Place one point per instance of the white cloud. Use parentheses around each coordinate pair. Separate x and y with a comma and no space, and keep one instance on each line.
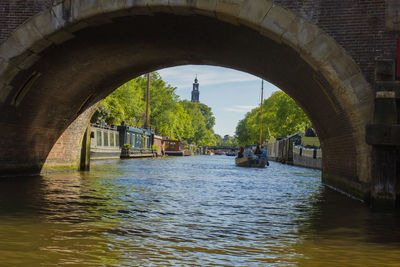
(183,76)
(240,109)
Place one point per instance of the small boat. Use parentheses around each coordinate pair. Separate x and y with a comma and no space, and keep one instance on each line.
(253,162)
(231,153)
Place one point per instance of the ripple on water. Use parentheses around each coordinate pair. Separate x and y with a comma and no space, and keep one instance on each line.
(200,210)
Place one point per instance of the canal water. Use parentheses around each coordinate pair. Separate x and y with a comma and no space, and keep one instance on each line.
(200,210)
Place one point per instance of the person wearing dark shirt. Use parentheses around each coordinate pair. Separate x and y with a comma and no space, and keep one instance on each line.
(241,152)
(258,151)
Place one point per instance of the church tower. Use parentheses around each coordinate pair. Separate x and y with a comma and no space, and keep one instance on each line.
(195,91)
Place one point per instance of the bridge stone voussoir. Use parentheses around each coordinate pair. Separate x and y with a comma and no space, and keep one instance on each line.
(228,10)
(135,3)
(40,45)
(204,7)
(182,7)
(112,6)
(338,68)
(159,6)
(157,3)
(276,22)
(84,9)
(4,92)
(299,33)
(60,17)
(178,3)
(11,48)
(318,50)
(252,12)
(330,75)
(7,71)
(116,8)
(19,61)
(360,87)
(138,7)
(342,66)
(27,35)
(347,96)
(47,22)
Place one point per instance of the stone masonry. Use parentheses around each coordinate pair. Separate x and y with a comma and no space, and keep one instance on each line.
(359,26)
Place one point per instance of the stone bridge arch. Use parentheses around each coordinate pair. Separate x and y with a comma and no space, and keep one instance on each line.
(65,59)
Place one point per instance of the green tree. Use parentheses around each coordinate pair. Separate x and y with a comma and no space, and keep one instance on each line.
(202,118)
(281,117)
(208,115)
(169,116)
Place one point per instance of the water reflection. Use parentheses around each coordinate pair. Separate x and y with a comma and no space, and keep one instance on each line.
(192,210)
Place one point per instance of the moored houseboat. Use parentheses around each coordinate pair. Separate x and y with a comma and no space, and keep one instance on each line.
(137,143)
(177,148)
(105,142)
(109,141)
(173,147)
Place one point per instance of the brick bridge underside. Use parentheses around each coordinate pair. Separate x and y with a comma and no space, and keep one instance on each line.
(59,58)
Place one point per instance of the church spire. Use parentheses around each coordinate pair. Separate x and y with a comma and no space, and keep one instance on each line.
(195,91)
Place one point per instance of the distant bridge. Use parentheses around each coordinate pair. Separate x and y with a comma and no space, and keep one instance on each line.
(227,148)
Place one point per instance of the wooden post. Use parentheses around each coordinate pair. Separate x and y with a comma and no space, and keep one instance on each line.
(85,151)
(261,106)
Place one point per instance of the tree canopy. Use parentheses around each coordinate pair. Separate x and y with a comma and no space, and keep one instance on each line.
(281,117)
(169,116)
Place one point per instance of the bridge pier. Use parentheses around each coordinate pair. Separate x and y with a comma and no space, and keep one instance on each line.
(71,152)
(384,135)
(385,185)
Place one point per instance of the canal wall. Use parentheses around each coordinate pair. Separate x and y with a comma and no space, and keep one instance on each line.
(307,157)
(299,155)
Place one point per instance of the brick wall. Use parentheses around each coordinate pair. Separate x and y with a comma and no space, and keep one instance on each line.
(358,25)
(66,152)
(15,12)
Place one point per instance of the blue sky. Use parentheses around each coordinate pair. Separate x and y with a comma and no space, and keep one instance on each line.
(229,93)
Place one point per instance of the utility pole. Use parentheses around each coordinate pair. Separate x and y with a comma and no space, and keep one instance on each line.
(261,106)
(146,124)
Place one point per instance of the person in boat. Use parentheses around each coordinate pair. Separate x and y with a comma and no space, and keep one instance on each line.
(258,151)
(248,152)
(264,153)
(309,132)
(241,153)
